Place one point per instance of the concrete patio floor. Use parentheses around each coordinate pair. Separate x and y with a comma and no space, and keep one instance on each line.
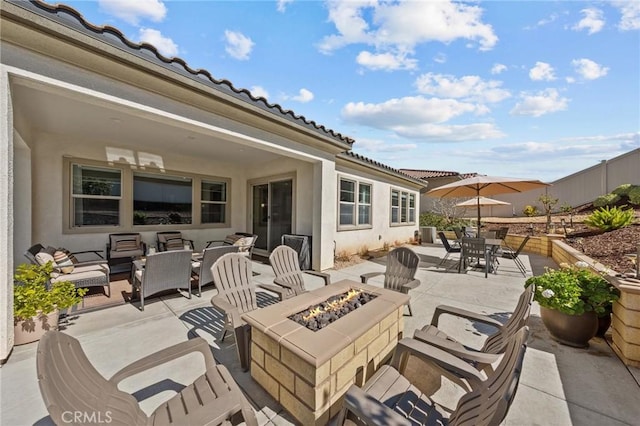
(559,385)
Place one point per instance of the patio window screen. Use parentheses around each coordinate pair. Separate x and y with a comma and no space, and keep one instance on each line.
(355,203)
(96,194)
(403,207)
(160,200)
(213,202)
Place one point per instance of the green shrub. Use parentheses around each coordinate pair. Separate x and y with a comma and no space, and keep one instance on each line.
(433,219)
(610,218)
(623,190)
(530,211)
(606,200)
(30,292)
(634,195)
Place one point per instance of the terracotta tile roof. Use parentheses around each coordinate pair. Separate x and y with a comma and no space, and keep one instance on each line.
(70,17)
(350,155)
(427,174)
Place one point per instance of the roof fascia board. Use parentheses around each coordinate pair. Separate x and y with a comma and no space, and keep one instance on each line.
(357,164)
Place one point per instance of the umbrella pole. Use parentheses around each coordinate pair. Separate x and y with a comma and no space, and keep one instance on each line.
(478,198)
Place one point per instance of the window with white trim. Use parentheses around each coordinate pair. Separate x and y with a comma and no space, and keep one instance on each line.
(95,196)
(403,207)
(355,204)
(213,203)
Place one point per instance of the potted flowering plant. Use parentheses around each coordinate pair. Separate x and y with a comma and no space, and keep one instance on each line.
(36,303)
(571,299)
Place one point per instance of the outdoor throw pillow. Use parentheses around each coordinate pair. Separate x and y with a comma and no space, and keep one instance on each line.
(43,257)
(63,261)
(174,244)
(126,245)
(70,255)
(244,243)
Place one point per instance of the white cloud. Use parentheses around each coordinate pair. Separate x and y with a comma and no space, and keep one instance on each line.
(450,133)
(574,148)
(385,61)
(593,21)
(541,103)
(374,145)
(440,58)
(165,45)
(498,68)
(397,27)
(133,11)
(408,111)
(282,5)
(588,69)
(303,96)
(468,87)
(630,11)
(259,91)
(542,71)
(238,45)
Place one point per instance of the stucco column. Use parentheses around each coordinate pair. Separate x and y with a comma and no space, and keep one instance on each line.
(6,217)
(324,214)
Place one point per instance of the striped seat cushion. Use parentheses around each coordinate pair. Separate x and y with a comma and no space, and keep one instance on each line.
(127,245)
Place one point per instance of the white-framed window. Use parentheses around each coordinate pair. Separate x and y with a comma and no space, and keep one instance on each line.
(403,207)
(354,204)
(213,202)
(96,193)
(114,197)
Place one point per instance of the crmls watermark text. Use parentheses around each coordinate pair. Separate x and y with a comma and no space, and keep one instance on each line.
(95,417)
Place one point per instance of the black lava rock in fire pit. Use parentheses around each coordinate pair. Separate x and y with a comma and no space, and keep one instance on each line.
(321,315)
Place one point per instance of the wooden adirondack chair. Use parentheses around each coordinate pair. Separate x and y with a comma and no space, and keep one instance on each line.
(389,398)
(70,384)
(236,296)
(493,347)
(289,280)
(402,264)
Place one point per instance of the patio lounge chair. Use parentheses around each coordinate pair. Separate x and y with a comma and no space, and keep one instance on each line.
(245,241)
(447,247)
(94,273)
(388,398)
(402,264)
(123,248)
(172,240)
(163,271)
(289,280)
(70,384)
(236,296)
(508,253)
(493,346)
(203,268)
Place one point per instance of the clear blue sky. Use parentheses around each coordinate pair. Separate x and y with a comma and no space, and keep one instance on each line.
(536,89)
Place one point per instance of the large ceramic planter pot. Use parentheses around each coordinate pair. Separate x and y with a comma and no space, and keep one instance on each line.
(570,330)
(32,329)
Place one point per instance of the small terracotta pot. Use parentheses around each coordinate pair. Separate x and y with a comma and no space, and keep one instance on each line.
(32,329)
(570,330)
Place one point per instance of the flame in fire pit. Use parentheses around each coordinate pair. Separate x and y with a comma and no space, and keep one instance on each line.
(334,305)
(320,315)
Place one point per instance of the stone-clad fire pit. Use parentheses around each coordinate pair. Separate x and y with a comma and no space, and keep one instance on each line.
(318,316)
(308,371)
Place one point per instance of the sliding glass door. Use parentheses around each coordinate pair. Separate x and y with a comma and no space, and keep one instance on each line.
(272,212)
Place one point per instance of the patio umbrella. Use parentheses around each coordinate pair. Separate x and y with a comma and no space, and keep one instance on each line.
(478,186)
(483,201)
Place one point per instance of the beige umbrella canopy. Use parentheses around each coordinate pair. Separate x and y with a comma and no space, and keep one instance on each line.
(478,186)
(483,201)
